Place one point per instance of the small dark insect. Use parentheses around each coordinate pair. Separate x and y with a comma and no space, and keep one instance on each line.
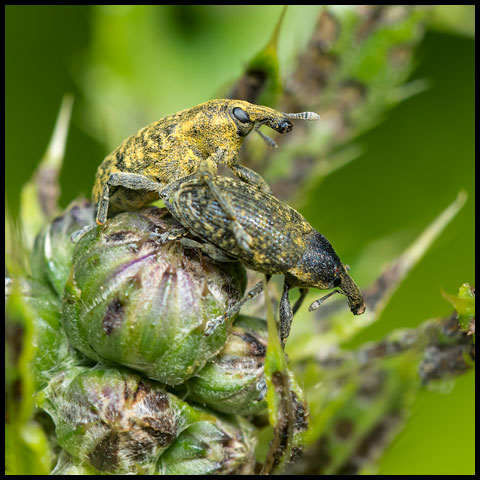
(282,241)
(189,144)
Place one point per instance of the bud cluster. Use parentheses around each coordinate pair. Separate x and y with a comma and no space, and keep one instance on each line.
(128,373)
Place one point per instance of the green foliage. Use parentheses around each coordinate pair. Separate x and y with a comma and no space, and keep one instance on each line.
(464,304)
(229,381)
(27,450)
(279,397)
(371,191)
(261,82)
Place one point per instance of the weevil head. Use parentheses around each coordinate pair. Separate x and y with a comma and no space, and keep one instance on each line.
(259,115)
(320,267)
(248,114)
(240,116)
(225,123)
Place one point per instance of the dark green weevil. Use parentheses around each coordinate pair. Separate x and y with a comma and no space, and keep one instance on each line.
(282,241)
(191,143)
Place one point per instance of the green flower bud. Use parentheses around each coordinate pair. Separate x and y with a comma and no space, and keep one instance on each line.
(217,446)
(52,350)
(68,465)
(233,381)
(50,262)
(223,447)
(53,353)
(134,301)
(51,257)
(114,420)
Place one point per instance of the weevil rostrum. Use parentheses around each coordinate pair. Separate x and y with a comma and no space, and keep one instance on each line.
(190,143)
(282,241)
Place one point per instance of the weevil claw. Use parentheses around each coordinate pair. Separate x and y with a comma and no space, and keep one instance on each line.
(78,234)
(162,238)
(244,240)
(262,389)
(211,325)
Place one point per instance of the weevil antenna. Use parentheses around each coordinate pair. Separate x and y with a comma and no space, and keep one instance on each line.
(318,302)
(269,141)
(310,116)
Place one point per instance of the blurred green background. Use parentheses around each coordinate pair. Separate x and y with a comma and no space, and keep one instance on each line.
(128,66)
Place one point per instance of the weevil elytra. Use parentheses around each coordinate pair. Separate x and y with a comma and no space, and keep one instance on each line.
(282,241)
(190,143)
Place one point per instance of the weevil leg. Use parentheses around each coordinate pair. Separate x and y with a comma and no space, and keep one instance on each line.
(262,389)
(213,324)
(166,192)
(211,250)
(78,234)
(298,303)
(242,237)
(100,218)
(286,314)
(250,177)
(162,238)
(102,207)
(132,181)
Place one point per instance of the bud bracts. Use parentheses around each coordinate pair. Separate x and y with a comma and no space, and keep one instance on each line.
(144,305)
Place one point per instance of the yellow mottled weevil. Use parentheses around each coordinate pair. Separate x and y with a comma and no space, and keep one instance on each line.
(282,242)
(189,144)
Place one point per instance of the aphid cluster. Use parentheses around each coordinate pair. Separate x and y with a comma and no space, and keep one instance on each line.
(238,219)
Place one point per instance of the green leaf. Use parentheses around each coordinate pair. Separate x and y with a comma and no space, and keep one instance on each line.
(27,450)
(261,83)
(464,304)
(279,397)
(40,194)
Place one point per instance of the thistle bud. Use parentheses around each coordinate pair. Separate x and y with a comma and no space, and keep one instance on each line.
(53,352)
(68,465)
(113,420)
(233,381)
(145,304)
(223,447)
(52,252)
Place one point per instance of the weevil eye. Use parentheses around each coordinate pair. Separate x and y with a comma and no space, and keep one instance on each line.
(337,282)
(241,115)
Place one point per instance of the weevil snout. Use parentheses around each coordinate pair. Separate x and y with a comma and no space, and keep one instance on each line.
(276,121)
(353,294)
(281,121)
(357,309)
(247,115)
(284,126)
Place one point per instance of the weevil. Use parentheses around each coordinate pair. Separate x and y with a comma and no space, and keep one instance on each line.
(283,242)
(190,143)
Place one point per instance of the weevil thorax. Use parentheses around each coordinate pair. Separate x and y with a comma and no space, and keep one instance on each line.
(210,126)
(320,267)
